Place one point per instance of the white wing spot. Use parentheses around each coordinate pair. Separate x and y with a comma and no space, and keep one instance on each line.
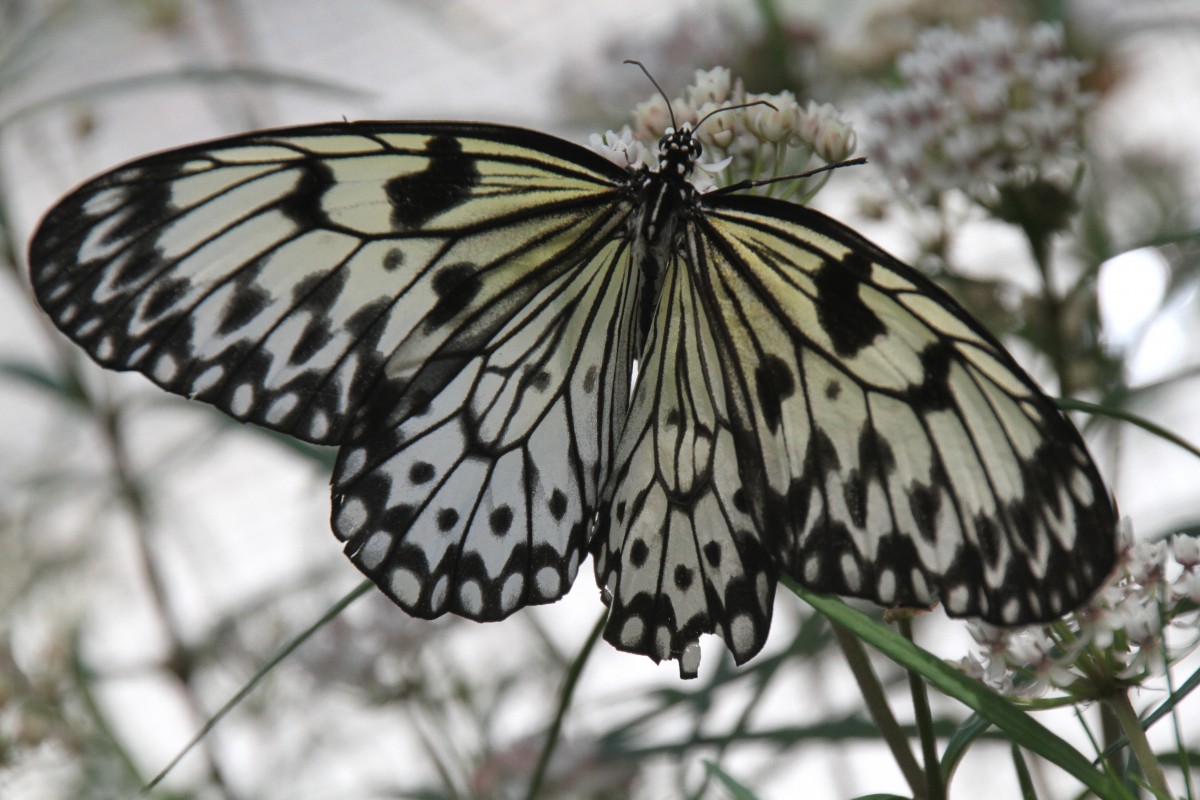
(812,569)
(1081,487)
(208,379)
(406,587)
(887,587)
(67,314)
(281,407)
(471,597)
(548,582)
(662,642)
(632,631)
(318,426)
(742,631)
(88,328)
(1011,611)
(689,662)
(920,588)
(351,517)
(438,598)
(850,572)
(165,369)
(373,552)
(104,348)
(956,599)
(243,400)
(510,593)
(353,463)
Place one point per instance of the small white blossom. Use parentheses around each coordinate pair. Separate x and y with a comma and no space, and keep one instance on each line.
(1186,550)
(1144,619)
(992,107)
(710,86)
(621,148)
(742,138)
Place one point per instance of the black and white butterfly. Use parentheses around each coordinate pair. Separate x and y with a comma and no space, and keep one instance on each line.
(461,308)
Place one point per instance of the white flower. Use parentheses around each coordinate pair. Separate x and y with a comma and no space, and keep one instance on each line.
(621,148)
(710,86)
(1186,550)
(987,108)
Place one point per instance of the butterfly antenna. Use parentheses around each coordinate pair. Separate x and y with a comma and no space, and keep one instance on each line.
(751,104)
(750,184)
(650,77)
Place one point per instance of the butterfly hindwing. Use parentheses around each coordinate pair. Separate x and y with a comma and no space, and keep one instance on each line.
(676,548)
(893,450)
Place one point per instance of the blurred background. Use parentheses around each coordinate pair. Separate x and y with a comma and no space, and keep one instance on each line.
(154,555)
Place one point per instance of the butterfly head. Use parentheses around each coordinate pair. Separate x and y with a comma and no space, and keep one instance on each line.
(678,151)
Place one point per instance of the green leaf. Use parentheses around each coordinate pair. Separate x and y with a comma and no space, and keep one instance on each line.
(737,790)
(1019,726)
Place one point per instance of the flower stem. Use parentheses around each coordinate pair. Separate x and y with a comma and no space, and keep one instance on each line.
(934,788)
(877,705)
(1122,709)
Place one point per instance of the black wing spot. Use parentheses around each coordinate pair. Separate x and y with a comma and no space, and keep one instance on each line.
(638,553)
(447,518)
(740,502)
(558,504)
(303,204)
(840,308)
(445,182)
(833,390)
(774,384)
(537,378)
(393,259)
(244,305)
(501,520)
(673,418)
(712,552)
(589,379)
(421,472)
(456,286)
(683,577)
(621,511)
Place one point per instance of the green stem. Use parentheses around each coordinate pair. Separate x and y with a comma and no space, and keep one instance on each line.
(564,702)
(1052,305)
(935,789)
(878,708)
(1122,709)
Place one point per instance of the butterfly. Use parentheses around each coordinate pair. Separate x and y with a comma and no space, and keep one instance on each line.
(528,354)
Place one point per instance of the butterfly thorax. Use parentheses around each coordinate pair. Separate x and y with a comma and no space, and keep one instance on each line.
(662,196)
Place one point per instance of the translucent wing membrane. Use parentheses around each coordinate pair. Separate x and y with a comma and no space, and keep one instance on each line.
(890,447)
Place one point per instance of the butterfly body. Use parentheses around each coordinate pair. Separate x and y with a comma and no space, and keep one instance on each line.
(461,307)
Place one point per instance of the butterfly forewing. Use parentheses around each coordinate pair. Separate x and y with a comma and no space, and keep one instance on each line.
(274,274)
(892,448)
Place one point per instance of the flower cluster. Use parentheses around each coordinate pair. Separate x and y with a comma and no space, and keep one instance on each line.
(979,110)
(744,135)
(1118,639)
